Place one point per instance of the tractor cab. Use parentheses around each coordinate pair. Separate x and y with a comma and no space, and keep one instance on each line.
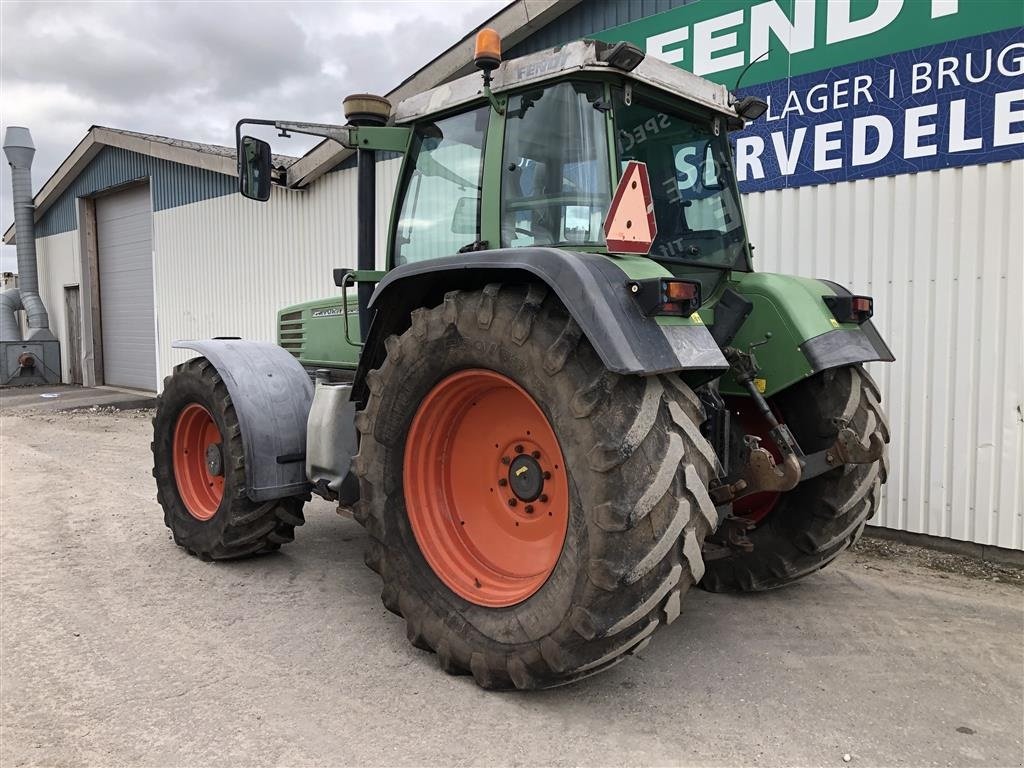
(533,159)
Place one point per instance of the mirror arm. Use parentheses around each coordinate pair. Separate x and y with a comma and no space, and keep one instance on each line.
(343,135)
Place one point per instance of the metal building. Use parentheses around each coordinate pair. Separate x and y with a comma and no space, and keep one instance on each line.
(891,160)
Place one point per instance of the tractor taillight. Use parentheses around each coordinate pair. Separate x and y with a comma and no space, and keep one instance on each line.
(666,296)
(851,309)
(862,304)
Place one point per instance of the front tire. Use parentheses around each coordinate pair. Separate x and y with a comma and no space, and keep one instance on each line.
(810,526)
(199,466)
(629,459)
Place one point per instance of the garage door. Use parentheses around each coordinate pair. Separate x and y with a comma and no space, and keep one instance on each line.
(124,241)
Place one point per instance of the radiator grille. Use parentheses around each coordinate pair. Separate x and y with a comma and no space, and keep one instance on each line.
(291,333)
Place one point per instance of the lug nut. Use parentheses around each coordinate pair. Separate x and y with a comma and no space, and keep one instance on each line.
(547,475)
(536,454)
(543,498)
(529,509)
(506,460)
(519,449)
(512,502)
(502,482)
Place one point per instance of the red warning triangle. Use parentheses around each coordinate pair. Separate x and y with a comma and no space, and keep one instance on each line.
(629,226)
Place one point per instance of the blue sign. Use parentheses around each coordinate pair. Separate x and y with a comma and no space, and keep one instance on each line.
(953,104)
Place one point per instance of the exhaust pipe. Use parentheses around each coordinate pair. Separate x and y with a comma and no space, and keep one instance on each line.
(20,150)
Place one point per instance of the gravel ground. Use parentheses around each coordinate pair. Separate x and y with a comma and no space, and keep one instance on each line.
(118,649)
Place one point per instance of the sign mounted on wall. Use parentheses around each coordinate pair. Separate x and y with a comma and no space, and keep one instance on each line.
(856,89)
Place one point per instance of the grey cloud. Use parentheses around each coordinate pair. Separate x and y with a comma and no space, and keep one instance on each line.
(190,70)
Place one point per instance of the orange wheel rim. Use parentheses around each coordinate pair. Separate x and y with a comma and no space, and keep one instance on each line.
(198,463)
(486,488)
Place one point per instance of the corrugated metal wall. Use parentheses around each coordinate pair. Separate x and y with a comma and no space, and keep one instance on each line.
(224,266)
(941,252)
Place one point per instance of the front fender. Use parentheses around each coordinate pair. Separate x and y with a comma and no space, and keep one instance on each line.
(272,395)
(592,287)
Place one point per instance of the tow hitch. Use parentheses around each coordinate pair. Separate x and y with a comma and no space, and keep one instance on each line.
(761,472)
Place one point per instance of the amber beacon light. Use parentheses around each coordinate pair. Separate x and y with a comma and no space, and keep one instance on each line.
(487,55)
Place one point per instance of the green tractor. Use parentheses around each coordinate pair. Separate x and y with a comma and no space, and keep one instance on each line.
(568,398)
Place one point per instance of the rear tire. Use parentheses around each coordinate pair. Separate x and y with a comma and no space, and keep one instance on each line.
(228,524)
(637,505)
(811,525)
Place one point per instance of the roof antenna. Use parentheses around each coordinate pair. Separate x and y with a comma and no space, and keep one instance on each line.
(744,72)
(749,108)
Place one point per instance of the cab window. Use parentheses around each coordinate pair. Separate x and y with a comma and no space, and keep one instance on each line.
(440,207)
(554,177)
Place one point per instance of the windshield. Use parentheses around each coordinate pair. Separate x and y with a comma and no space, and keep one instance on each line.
(555,175)
(695,199)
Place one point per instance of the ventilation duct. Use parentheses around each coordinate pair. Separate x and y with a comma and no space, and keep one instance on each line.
(36,358)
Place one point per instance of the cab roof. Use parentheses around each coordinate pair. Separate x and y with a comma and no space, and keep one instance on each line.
(578,56)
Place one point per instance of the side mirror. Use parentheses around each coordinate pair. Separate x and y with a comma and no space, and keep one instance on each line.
(254,168)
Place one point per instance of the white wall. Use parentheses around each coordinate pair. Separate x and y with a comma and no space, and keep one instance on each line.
(942,254)
(224,266)
(59,264)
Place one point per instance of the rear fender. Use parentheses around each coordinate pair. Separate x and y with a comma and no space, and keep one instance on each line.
(592,287)
(272,395)
(805,336)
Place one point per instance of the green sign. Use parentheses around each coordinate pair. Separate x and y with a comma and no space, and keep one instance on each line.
(716,39)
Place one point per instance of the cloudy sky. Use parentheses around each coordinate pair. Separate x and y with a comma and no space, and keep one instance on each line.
(191,69)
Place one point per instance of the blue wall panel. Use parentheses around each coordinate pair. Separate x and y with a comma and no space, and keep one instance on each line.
(588,18)
(173,184)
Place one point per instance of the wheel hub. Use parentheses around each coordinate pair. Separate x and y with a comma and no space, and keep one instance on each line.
(485,488)
(214,460)
(525,477)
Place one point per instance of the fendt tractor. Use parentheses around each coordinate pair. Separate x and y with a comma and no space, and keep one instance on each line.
(567,399)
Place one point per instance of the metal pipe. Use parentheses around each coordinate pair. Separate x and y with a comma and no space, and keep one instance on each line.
(366,246)
(10,303)
(19,149)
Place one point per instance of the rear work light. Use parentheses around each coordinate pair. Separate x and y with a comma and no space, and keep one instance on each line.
(666,296)
(850,309)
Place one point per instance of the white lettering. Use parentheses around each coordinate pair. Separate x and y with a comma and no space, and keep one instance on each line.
(686,166)
(922,77)
(1005,117)
(841,27)
(792,105)
(1017,61)
(914,131)
(706,44)
(958,128)
(947,68)
(748,158)
(969,70)
(944,8)
(817,104)
(861,84)
(883,134)
(788,159)
(656,45)
(796,35)
(823,145)
(839,94)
